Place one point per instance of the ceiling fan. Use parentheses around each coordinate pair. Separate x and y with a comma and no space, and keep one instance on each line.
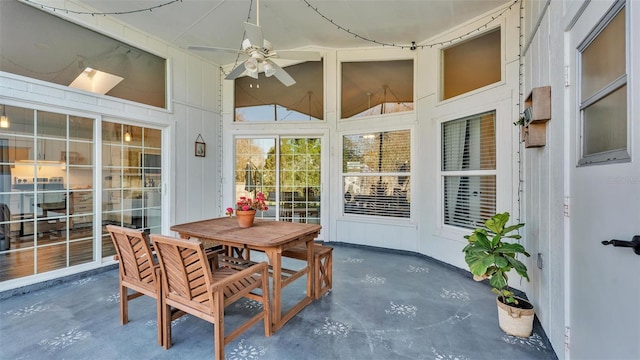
(260,52)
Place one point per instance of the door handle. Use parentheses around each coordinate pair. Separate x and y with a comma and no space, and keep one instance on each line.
(634,243)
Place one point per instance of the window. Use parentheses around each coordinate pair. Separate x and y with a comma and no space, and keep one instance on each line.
(376,87)
(288,174)
(469,170)
(266,99)
(471,64)
(376,174)
(603,91)
(132,179)
(61,52)
(46,196)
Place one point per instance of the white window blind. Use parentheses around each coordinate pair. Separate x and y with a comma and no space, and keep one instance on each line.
(469,170)
(376,174)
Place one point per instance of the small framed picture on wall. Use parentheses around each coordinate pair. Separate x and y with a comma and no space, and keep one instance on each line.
(201,147)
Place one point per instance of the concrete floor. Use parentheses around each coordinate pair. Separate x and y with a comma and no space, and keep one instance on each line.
(384,305)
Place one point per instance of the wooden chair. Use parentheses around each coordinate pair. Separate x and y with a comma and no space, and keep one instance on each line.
(190,285)
(138,270)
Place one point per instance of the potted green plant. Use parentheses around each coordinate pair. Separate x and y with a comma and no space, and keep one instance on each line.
(489,256)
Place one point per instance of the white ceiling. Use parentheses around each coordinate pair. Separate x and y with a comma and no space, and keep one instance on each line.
(294,24)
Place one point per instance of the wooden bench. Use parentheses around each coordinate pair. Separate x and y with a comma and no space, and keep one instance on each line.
(322,266)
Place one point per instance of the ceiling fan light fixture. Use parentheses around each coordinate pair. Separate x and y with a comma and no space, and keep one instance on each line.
(246,44)
(269,69)
(253,74)
(251,65)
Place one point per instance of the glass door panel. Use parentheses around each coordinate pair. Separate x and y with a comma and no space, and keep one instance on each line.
(288,174)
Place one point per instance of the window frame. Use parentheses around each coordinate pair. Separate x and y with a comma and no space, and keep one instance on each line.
(410,175)
(281,122)
(440,63)
(278,138)
(496,109)
(608,156)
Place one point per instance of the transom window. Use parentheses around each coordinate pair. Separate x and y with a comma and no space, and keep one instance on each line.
(266,99)
(376,87)
(71,55)
(471,64)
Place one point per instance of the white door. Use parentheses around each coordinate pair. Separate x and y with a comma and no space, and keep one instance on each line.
(604,170)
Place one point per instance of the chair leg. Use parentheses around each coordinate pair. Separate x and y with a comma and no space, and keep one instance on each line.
(124,305)
(265,303)
(218,330)
(159,317)
(166,325)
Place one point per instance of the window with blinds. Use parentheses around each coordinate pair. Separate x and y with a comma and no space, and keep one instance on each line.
(376,174)
(469,170)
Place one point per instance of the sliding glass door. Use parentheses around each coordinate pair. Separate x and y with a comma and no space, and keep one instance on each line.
(287,170)
(46,192)
(131,179)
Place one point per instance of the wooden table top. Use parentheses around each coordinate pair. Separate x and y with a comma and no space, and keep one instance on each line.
(263,233)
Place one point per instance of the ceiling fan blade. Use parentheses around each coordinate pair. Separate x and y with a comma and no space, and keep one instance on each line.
(254,34)
(236,72)
(282,75)
(216,49)
(299,55)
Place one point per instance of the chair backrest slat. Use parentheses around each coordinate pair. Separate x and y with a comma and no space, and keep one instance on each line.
(188,280)
(134,251)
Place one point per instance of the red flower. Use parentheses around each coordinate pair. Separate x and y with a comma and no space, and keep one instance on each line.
(246,204)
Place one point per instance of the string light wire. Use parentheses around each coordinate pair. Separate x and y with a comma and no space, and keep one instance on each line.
(520,108)
(94,13)
(413,45)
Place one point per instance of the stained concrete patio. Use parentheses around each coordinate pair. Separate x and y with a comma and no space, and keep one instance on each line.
(384,305)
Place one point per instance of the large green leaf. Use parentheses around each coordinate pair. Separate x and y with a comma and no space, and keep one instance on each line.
(488,260)
(496,222)
(498,280)
(478,268)
(520,268)
(511,228)
(511,248)
(495,241)
(481,240)
(501,261)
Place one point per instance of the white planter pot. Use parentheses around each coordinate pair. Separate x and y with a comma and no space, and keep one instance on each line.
(514,320)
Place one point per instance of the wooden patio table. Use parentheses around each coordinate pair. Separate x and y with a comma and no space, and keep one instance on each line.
(271,237)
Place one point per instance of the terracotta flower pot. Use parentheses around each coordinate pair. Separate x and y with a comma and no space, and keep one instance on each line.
(245,218)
